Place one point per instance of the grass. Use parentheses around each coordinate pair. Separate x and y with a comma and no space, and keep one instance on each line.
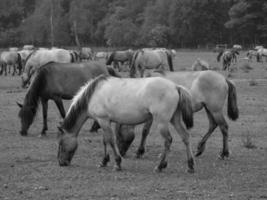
(248,141)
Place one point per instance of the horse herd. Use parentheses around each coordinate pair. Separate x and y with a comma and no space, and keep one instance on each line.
(161,97)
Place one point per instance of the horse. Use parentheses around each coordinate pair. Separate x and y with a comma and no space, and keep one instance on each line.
(127,101)
(252,53)
(209,90)
(200,65)
(228,56)
(28,47)
(261,52)
(86,53)
(40,57)
(150,59)
(101,55)
(11,59)
(56,81)
(118,57)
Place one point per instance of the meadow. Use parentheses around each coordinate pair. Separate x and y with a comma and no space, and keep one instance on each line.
(29,168)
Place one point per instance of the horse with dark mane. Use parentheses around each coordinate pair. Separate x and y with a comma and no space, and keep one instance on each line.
(120,57)
(228,56)
(128,101)
(56,81)
(150,59)
(210,90)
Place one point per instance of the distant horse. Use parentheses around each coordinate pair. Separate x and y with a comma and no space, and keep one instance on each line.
(118,57)
(127,101)
(200,65)
(56,81)
(209,90)
(228,56)
(41,57)
(261,52)
(86,53)
(102,55)
(150,59)
(28,47)
(252,53)
(11,59)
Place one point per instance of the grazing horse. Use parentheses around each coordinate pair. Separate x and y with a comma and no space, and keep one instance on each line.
(252,53)
(150,59)
(200,65)
(127,101)
(210,90)
(56,81)
(228,56)
(40,57)
(261,52)
(86,53)
(120,57)
(11,59)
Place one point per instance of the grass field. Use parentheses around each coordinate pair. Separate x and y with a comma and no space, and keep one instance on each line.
(29,167)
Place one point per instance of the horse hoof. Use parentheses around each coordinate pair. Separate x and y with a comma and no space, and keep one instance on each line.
(139,153)
(224,155)
(191,171)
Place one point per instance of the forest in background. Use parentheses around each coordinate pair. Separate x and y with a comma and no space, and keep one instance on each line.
(135,23)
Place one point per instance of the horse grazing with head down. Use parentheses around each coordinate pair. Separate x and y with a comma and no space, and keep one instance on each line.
(210,90)
(150,59)
(120,57)
(11,59)
(228,56)
(56,81)
(127,101)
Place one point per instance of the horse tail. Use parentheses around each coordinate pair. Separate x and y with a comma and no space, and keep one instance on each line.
(19,62)
(185,106)
(72,60)
(32,97)
(110,58)
(132,66)
(112,72)
(169,58)
(232,109)
(219,56)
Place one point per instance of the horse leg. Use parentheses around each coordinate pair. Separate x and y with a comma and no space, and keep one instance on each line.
(220,120)
(60,107)
(212,126)
(176,121)
(45,106)
(108,138)
(14,70)
(164,131)
(95,127)
(141,149)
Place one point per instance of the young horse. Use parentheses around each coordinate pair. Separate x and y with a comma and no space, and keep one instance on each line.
(209,90)
(150,59)
(127,101)
(56,81)
(40,57)
(118,57)
(228,57)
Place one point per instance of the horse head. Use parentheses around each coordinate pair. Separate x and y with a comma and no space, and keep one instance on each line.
(26,115)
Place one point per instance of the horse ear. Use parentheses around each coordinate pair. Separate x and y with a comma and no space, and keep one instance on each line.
(19,104)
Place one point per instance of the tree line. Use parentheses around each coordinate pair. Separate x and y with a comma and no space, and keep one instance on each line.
(169,23)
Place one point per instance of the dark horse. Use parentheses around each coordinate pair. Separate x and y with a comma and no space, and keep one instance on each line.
(118,57)
(228,57)
(56,81)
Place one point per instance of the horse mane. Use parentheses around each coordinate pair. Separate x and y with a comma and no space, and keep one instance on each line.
(31,54)
(132,66)
(19,61)
(169,58)
(110,58)
(32,97)
(81,100)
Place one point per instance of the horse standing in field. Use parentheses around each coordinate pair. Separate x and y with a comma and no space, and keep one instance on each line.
(228,56)
(102,55)
(40,57)
(118,57)
(262,52)
(200,65)
(127,101)
(56,81)
(252,53)
(150,59)
(210,90)
(11,59)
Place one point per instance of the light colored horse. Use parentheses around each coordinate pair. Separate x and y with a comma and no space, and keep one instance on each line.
(86,53)
(28,47)
(261,52)
(200,65)
(128,101)
(237,46)
(11,59)
(13,48)
(41,57)
(210,90)
(252,53)
(150,59)
(102,55)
